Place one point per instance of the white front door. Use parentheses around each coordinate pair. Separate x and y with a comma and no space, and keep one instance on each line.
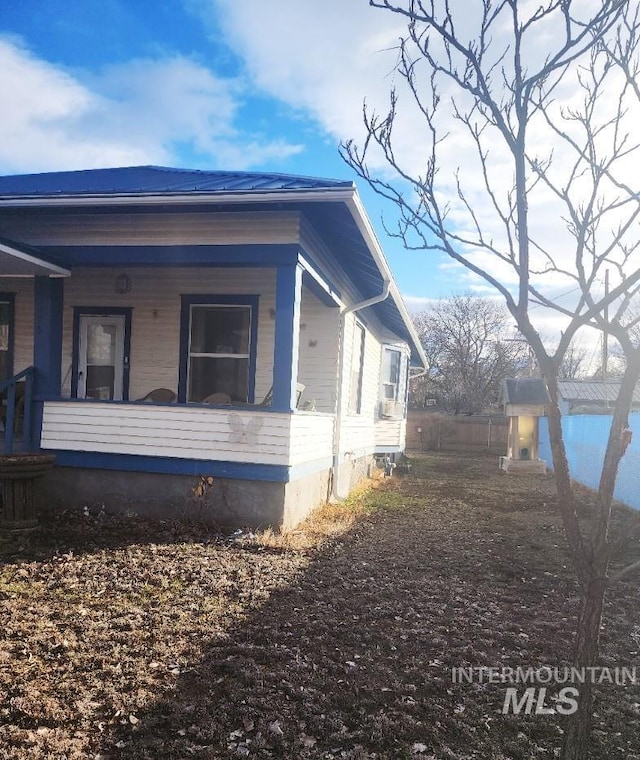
(101,359)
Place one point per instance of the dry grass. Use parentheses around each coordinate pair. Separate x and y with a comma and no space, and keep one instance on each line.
(330,521)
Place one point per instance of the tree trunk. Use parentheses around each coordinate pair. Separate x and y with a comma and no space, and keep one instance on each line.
(578,729)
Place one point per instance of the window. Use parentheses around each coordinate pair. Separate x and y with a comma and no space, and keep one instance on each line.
(393,383)
(6,336)
(357,365)
(391,361)
(220,348)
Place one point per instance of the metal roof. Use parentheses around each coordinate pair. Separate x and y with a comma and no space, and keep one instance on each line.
(593,390)
(525,390)
(155,179)
(331,205)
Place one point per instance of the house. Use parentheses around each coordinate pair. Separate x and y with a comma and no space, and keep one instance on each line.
(592,396)
(237,331)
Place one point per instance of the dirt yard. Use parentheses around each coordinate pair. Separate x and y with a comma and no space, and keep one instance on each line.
(125,639)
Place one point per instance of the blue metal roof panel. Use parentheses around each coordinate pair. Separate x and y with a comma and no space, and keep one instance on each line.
(156,180)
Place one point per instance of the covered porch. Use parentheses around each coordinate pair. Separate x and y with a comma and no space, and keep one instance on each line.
(247,352)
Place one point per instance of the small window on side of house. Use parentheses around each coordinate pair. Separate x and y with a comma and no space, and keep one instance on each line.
(357,367)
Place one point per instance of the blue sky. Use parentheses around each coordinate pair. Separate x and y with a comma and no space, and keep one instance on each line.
(214,84)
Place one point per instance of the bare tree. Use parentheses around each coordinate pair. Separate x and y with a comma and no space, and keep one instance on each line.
(468,342)
(529,112)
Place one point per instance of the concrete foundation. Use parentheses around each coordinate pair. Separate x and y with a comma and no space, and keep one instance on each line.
(523,466)
(222,502)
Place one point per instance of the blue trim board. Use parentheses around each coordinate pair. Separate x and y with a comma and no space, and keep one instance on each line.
(47,346)
(208,299)
(104,311)
(10,298)
(174,466)
(258,255)
(287,337)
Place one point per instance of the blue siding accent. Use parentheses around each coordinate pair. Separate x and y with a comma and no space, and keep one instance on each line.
(585,438)
(285,353)
(47,346)
(185,324)
(173,466)
(107,311)
(258,255)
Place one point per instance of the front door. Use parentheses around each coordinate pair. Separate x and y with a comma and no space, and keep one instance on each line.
(101,357)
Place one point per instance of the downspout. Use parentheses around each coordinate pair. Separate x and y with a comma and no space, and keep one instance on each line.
(386,284)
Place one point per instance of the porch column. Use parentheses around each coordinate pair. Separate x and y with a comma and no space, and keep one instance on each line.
(47,346)
(287,333)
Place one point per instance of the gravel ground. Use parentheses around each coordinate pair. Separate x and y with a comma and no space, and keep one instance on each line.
(128,639)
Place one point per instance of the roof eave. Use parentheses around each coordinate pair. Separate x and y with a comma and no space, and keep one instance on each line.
(347,195)
(336,194)
(357,210)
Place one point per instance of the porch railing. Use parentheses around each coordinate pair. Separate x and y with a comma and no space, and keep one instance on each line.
(16,395)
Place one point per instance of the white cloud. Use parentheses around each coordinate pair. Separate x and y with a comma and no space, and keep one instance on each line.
(136,113)
(324,58)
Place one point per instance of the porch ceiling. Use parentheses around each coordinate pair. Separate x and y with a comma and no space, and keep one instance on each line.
(20,261)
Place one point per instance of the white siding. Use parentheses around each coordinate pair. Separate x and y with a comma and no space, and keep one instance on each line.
(318,359)
(154,229)
(167,431)
(311,437)
(390,433)
(188,432)
(155,329)
(361,433)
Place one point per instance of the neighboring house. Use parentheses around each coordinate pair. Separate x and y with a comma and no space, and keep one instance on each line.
(592,396)
(262,301)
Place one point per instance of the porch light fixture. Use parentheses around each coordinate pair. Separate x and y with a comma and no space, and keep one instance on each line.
(123,284)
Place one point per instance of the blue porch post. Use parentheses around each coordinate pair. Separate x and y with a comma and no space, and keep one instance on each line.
(47,347)
(287,333)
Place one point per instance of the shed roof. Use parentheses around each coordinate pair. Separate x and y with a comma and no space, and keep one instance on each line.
(525,390)
(593,390)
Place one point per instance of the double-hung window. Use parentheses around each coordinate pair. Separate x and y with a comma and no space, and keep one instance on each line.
(393,383)
(219,356)
(391,375)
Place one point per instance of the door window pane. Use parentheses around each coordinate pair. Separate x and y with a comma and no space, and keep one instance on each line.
(101,344)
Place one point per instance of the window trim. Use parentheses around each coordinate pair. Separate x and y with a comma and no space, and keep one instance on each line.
(187,301)
(10,298)
(102,311)
(383,382)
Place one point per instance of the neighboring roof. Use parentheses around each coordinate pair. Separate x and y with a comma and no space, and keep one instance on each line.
(593,390)
(155,179)
(333,206)
(525,390)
